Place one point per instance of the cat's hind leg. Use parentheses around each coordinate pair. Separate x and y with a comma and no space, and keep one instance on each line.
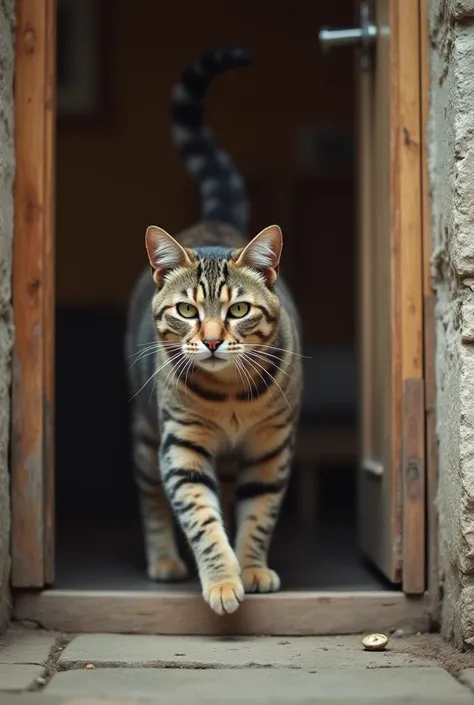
(161,550)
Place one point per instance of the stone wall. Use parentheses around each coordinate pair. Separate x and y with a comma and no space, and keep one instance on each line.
(7,169)
(451,143)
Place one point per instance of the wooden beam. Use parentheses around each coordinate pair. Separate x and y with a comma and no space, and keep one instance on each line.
(32,292)
(49,292)
(413,487)
(411,298)
(429,325)
(284,613)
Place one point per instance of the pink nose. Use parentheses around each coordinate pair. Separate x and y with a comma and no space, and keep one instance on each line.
(213,343)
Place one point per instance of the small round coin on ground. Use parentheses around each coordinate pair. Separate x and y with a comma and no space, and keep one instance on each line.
(374,642)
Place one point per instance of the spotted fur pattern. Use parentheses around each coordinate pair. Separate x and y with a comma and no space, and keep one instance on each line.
(213,344)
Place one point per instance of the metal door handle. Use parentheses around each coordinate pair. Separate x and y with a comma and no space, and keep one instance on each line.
(364,36)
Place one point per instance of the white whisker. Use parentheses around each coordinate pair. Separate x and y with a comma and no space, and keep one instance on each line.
(154,374)
(159,342)
(155,346)
(264,359)
(276,382)
(273,347)
(152,390)
(247,359)
(172,373)
(252,381)
(179,374)
(248,388)
(270,357)
(235,361)
(144,355)
(191,364)
(152,349)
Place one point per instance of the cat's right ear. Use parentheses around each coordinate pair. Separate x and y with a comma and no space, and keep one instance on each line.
(164,253)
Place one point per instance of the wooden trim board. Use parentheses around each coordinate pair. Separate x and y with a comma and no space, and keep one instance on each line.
(32,471)
(281,614)
(429,327)
(32,205)
(49,277)
(413,452)
(411,299)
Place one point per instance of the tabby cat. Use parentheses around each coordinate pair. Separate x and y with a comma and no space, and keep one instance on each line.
(215,332)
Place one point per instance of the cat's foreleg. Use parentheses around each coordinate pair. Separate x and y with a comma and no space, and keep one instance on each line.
(187,462)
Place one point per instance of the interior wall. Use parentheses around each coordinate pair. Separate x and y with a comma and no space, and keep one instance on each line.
(451,145)
(7,167)
(120,172)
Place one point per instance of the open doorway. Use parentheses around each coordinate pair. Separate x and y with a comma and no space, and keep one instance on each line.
(289,123)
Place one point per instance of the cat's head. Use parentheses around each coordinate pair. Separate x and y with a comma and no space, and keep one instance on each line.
(215,304)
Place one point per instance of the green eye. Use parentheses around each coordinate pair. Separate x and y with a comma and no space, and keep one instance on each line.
(239,310)
(187,310)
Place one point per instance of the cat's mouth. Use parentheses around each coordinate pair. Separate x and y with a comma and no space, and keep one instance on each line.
(213,362)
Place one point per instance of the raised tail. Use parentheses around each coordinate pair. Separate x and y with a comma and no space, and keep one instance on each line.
(221,187)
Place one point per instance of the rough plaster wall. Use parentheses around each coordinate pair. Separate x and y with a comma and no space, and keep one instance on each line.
(6,327)
(452,182)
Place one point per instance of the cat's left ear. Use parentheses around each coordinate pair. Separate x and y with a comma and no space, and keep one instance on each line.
(263,253)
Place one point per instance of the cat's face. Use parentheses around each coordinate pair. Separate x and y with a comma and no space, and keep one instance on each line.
(215,307)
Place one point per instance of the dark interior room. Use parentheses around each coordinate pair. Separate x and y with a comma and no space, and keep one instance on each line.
(289,122)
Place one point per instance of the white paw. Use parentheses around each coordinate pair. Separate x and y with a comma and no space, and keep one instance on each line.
(224,597)
(260,580)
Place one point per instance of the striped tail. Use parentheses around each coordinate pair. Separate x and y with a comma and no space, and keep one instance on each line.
(221,187)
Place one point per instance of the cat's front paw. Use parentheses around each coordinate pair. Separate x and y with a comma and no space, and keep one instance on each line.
(168,568)
(224,597)
(260,580)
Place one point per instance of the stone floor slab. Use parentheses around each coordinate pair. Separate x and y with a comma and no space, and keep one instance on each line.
(16,677)
(193,652)
(34,699)
(368,685)
(42,699)
(467,678)
(26,646)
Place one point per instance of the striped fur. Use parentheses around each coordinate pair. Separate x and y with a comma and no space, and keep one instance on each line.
(213,344)
(221,187)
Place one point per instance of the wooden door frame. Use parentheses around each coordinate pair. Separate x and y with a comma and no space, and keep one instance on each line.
(429,329)
(32,461)
(409,187)
(32,435)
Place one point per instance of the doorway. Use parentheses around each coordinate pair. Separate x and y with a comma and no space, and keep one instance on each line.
(296,149)
(290,123)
